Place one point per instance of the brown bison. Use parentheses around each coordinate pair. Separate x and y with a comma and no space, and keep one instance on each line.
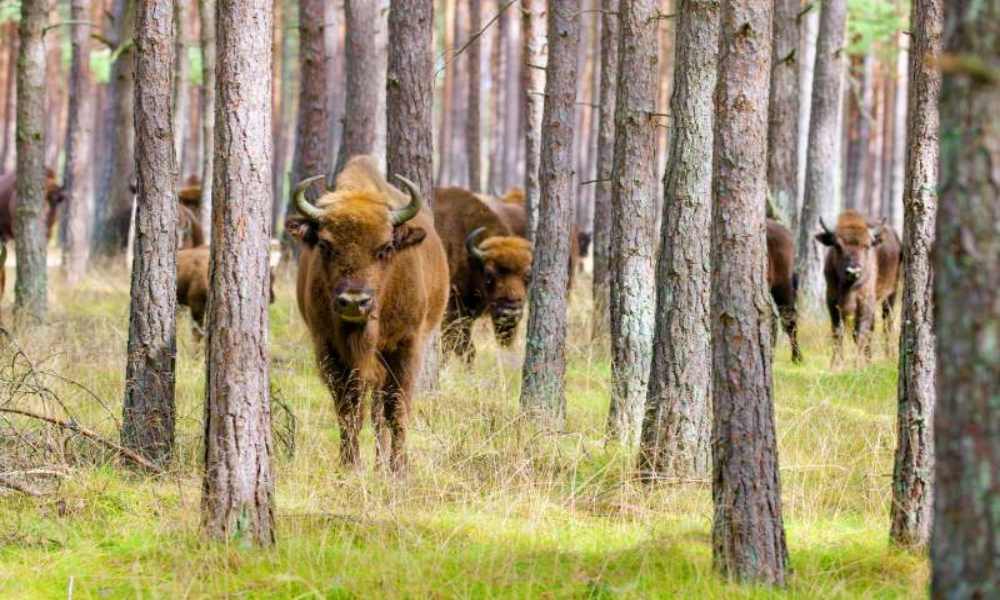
(192,285)
(489,266)
(54,196)
(783,282)
(372,286)
(862,272)
(189,231)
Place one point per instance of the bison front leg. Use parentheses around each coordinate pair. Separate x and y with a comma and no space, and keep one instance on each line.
(347,390)
(864,325)
(837,327)
(402,368)
(789,322)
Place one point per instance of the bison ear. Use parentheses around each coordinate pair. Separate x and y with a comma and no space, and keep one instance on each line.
(404,236)
(302,229)
(876,233)
(826,238)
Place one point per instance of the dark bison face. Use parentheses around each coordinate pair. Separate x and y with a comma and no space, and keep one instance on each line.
(501,268)
(853,247)
(584,239)
(355,237)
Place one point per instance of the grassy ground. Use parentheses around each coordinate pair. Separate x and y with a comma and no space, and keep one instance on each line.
(490,509)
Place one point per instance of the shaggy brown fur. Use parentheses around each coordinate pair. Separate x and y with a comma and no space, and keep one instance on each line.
(54,196)
(192,285)
(370,293)
(862,272)
(494,283)
(783,282)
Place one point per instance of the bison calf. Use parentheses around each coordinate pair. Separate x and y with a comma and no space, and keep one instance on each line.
(783,282)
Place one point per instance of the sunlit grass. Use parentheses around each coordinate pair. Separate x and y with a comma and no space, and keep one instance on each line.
(491,508)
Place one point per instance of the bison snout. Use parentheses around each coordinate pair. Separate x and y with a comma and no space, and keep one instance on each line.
(853,273)
(354,306)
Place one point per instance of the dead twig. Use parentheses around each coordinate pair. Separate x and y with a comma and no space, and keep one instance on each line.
(472,39)
(10,484)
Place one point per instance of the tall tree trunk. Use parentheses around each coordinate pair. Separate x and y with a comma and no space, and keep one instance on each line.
(633,186)
(312,130)
(333,43)
(899,145)
(458,170)
(30,233)
(513,140)
(965,544)
(748,536)
(677,425)
(148,412)
(208,112)
(472,124)
(181,98)
(444,120)
(363,82)
(9,107)
(55,108)
(857,150)
(605,157)
(533,80)
(888,141)
(783,124)
(498,68)
(78,180)
(284,137)
(542,388)
(821,158)
(238,490)
(914,466)
(873,175)
(115,192)
(809,22)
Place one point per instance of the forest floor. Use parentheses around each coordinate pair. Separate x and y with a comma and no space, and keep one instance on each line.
(490,507)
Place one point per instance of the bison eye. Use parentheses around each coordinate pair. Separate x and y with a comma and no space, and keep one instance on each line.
(326,250)
(383,252)
(491,281)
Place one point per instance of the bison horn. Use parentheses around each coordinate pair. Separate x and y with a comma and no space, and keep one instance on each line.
(402,215)
(823,225)
(472,247)
(307,209)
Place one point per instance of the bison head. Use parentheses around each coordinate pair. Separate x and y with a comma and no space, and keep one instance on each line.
(501,267)
(355,236)
(853,244)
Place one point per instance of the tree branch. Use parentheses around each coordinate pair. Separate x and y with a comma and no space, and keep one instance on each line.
(10,484)
(475,36)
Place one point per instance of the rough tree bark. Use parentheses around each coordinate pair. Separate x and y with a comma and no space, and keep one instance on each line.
(965,545)
(312,130)
(914,465)
(748,537)
(533,80)
(148,411)
(633,188)
(30,289)
(78,179)
(283,138)
(363,82)
(783,124)
(542,389)
(472,119)
(601,319)
(447,85)
(677,425)
(238,489)
(115,191)
(208,90)
(821,159)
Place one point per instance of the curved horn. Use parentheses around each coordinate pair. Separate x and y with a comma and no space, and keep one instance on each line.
(823,225)
(472,247)
(304,206)
(402,215)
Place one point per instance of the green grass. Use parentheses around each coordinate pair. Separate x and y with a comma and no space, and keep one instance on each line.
(491,508)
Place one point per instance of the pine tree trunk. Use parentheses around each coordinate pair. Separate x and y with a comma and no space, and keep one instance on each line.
(873,175)
(605,157)
(208,112)
(238,490)
(748,537)
(448,83)
(542,389)
(782,129)
(965,544)
(115,192)
(633,187)
(283,137)
(857,150)
(677,424)
(888,141)
(821,157)
(381,65)
(30,233)
(9,96)
(363,82)
(78,179)
(533,80)
(458,170)
(472,124)
(911,498)
(809,23)
(899,145)
(312,130)
(513,140)
(180,95)
(55,101)
(498,68)
(148,412)
(333,43)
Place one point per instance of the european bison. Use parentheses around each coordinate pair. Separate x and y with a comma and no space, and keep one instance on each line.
(54,196)
(862,271)
(189,231)
(782,280)
(372,286)
(192,285)
(489,266)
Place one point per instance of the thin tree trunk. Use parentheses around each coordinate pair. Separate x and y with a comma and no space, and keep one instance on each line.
(312,129)
(873,175)
(857,152)
(458,172)
(444,121)
(9,106)
(333,44)
(362,85)
(181,98)
(542,388)
(472,124)
(115,192)
(284,137)
(809,23)
(148,412)
(821,158)
(533,80)
(888,141)
(782,129)
(748,536)
(381,65)
(965,544)
(911,490)
(55,109)
(78,179)
(899,145)
(238,489)
(208,112)
(513,140)
(498,67)
(633,187)
(677,425)
(30,289)
(605,157)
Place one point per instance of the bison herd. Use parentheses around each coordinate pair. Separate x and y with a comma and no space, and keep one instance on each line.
(380,271)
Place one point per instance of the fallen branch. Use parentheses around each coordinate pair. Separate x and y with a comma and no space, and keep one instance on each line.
(18,487)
